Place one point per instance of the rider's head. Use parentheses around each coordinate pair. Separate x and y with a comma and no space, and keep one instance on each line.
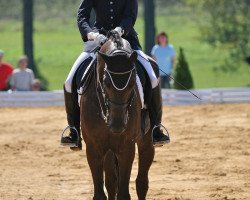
(162,39)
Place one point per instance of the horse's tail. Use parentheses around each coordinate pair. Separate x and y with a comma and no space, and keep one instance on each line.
(111,173)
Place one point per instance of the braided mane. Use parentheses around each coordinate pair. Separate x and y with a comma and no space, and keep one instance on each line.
(116,38)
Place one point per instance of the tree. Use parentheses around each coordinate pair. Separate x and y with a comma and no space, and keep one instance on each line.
(182,73)
(227,25)
(149,21)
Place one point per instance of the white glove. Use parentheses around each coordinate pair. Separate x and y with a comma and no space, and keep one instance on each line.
(92,35)
(119,30)
(98,38)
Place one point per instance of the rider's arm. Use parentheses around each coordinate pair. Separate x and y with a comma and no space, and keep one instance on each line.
(129,16)
(83,17)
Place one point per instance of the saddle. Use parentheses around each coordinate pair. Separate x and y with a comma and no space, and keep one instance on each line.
(85,74)
(146,85)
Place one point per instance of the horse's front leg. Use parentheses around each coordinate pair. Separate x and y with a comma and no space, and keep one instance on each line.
(146,155)
(96,166)
(125,161)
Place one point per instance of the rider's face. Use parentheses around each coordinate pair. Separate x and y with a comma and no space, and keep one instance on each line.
(163,40)
(23,63)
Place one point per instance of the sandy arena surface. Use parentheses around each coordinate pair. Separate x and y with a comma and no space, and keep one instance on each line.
(208,158)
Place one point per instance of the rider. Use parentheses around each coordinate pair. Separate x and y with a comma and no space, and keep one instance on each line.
(118,15)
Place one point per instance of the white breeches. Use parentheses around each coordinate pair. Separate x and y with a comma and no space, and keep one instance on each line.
(142,58)
(68,83)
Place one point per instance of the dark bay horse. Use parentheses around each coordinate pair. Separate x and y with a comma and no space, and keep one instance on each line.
(111,123)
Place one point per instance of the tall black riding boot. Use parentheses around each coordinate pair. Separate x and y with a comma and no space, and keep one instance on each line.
(73,116)
(155,109)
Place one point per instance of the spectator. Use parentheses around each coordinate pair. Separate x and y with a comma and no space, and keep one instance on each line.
(22,78)
(164,54)
(36,85)
(5,72)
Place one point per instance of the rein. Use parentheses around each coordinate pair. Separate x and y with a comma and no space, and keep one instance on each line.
(105,114)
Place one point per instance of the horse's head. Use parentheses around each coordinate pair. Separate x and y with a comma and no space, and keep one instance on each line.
(117,78)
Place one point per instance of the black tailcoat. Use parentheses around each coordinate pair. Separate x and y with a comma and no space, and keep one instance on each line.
(109,15)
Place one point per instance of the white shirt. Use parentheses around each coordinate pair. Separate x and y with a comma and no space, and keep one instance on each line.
(22,80)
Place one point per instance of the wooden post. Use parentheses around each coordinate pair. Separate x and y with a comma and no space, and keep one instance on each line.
(28,33)
(149,24)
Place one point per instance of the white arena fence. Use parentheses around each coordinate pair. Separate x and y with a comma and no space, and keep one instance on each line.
(31,99)
(170,97)
(208,96)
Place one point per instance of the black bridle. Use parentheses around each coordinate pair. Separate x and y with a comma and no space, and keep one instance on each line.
(108,103)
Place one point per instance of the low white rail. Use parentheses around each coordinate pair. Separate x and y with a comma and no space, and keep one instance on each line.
(31,99)
(212,96)
(170,97)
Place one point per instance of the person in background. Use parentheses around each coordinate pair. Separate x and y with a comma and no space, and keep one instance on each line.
(36,85)
(164,54)
(22,78)
(5,73)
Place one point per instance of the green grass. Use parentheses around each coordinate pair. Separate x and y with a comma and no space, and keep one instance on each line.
(57,45)
(55,49)
(202,58)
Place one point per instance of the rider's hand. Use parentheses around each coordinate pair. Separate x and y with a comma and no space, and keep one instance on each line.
(100,39)
(119,30)
(97,38)
(92,35)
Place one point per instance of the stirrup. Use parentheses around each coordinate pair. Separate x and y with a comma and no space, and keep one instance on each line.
(72,145)
(161,126)
(167,133)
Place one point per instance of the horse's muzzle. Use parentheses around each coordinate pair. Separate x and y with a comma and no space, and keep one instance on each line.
(118,125)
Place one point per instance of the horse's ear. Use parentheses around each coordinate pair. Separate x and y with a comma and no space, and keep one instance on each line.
(104,56)
(133,57)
